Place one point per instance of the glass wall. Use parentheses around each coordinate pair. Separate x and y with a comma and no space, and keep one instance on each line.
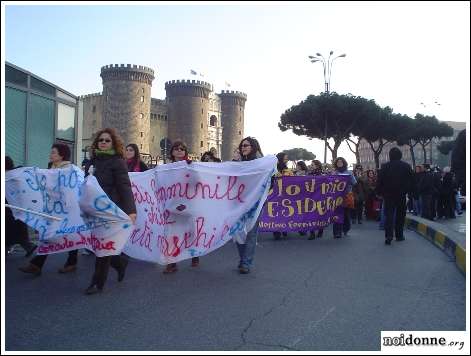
(37,114)
(15,125)
(40,131)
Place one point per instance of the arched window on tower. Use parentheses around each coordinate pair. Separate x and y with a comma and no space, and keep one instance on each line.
(213,121)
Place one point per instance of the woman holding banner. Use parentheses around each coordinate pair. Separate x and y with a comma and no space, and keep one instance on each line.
(179,152)
(133,159)
(316,171)
(249,149)
(59,158)
(283,170)
(340,165)
(108,166)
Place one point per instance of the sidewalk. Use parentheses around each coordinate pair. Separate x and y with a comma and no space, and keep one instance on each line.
(449,235)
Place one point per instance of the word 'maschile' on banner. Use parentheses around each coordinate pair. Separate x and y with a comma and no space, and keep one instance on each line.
(305,203)
(183,210)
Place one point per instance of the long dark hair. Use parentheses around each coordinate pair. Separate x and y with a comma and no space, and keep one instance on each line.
(137,155)
(118,144)
(345,164)
(302,164)
(256,151)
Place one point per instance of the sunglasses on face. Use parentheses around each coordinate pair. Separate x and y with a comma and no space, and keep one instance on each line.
(179,149)
(246,145)
(107,140)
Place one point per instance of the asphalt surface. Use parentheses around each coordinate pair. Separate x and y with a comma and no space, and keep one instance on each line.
(325,294)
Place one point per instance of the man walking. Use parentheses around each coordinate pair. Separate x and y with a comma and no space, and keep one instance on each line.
(395,181)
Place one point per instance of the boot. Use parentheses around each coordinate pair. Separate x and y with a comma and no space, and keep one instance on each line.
(93,289)
(32,269)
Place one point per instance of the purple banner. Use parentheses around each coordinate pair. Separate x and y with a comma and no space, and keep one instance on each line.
(305,203)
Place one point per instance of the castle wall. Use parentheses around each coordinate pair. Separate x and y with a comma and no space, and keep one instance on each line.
(188,106)
(232,107)
(92,117)
(126,102)
(158,126)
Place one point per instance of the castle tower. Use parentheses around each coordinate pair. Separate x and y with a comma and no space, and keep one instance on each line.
(232,120)
(188,105)
(126,102)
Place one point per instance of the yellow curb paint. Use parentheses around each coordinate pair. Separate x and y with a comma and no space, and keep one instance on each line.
(439,239)
(460,254)
(422,229)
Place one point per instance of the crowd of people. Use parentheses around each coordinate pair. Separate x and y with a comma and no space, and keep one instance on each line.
(110,163)
(375,195)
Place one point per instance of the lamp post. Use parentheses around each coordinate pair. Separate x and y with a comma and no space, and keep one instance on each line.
(327,65)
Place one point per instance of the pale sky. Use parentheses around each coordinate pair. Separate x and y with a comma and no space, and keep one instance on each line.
(400,54)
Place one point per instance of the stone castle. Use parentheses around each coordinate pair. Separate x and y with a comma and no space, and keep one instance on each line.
(191,112)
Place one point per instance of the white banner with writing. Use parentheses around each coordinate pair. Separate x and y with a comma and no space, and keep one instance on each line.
(183,210)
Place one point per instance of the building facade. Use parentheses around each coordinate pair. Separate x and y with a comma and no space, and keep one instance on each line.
(434,156)
(191,112)
(38,114)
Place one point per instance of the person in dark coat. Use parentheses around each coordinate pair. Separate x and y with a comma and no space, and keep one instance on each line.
(133,159)
(426,191)
(458,161)
(16,231)
(395,181)
(108,166)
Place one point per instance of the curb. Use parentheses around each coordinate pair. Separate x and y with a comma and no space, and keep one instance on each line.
(440,238)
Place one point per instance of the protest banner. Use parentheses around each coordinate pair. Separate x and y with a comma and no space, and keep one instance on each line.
(304,203)
(183,210)
(67,211)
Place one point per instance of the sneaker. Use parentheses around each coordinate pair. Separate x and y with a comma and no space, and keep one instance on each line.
(244,270)
(93,289)
(31,269)
(388,241)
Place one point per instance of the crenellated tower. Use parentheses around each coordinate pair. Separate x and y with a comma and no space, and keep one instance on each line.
(126,102)
(188,105)
(232,108)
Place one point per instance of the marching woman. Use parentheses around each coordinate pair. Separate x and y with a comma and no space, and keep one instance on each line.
(340,166)
(111,172)
(249,149)
(58,158)
(283,170)
(316,171)
(133,159)
(179,152)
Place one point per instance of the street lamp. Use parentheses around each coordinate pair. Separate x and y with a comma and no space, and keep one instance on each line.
(327,65)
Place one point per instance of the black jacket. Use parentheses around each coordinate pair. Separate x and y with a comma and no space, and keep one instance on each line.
(395,179)
(111,173)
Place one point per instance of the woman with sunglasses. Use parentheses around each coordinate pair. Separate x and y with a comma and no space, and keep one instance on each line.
(133,159)
(179,152)
(249,149)
(109,168)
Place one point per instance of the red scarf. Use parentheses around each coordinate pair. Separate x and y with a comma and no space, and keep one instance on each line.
(136,168)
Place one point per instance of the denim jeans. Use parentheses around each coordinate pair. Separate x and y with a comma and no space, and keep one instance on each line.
(247,250)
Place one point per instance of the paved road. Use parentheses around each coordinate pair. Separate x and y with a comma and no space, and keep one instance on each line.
(303,295)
